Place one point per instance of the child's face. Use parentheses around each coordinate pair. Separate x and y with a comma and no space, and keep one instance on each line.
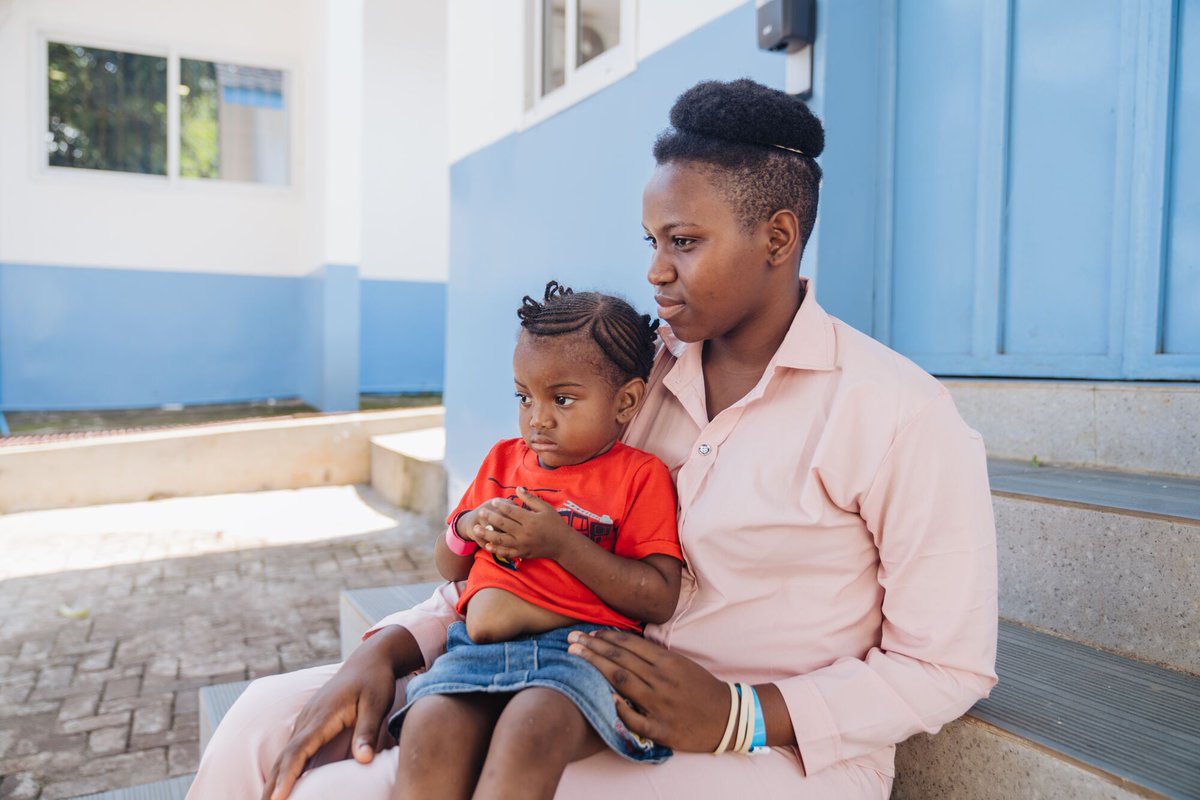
(570,411)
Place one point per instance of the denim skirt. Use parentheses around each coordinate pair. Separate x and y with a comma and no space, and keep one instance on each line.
(525,662)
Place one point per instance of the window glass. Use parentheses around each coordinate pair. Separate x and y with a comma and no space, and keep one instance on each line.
(107,109)
(554,44)
(599,28)
(232,122)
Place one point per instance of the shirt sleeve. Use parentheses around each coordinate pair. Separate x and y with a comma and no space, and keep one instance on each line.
(929,510)
(651,521)
(427,621)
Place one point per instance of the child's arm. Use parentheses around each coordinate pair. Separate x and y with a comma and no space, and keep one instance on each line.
(645,589)
(451,565)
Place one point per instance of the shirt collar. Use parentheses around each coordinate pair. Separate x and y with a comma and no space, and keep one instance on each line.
(809,343)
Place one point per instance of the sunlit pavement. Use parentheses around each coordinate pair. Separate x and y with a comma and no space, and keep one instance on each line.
(111,617)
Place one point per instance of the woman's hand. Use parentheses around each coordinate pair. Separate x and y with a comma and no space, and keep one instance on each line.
(675,701)
(357,696)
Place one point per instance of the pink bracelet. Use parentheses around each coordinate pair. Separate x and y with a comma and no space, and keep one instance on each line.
(458,545)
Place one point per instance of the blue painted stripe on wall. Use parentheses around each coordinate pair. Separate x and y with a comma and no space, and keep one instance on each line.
(403,343)
(73,337)
(562,200)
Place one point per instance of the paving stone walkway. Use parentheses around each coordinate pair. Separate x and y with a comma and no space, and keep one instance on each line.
(112,617)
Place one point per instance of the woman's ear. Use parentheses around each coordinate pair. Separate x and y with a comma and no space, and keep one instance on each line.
(783,231)
(629,399)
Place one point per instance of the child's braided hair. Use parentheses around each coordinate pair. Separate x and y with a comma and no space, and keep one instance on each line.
(625,337)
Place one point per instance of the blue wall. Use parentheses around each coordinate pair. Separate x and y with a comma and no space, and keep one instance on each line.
(74,337)
(103,338)
(403,345)
(562,200)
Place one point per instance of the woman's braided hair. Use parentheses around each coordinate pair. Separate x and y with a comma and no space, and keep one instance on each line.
(624,336)
(758,144)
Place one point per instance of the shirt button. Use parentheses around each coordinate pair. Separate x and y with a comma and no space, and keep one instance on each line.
(703,449)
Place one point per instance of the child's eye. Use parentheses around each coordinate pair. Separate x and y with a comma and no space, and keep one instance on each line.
(650,240)
(522,398)
(563,400)
(682,242)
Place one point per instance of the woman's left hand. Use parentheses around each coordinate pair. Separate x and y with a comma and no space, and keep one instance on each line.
(675,701)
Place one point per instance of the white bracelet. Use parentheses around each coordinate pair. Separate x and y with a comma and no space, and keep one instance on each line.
(733,710)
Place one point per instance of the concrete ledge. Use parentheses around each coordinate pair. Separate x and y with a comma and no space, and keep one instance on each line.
(215,701)
(359,609)
(170,789)
(1139,427)
(213,459)
(972,760)
(407,469)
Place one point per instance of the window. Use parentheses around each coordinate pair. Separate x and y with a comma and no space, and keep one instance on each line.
(232,123)
(111,110)
(108,110)
(577,47)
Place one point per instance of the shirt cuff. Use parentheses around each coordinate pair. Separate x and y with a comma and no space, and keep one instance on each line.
(427,621)
(817,736)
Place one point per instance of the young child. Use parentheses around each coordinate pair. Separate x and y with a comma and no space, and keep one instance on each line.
(564,529)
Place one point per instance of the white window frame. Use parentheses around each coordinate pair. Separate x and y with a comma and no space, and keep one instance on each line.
(43,170)
(579,81)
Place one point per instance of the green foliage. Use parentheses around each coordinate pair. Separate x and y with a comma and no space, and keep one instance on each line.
(108,109)
(199,122)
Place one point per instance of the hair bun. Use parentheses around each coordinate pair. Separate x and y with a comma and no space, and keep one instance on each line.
(746,111)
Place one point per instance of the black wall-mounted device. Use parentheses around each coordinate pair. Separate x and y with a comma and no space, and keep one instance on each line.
(786,24)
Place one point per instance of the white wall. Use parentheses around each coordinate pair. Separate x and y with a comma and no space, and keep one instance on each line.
(406,189)
(661,22)
(486,72)
(487,52)
(140,221)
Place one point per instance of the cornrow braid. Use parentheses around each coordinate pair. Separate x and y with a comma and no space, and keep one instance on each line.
(624,336)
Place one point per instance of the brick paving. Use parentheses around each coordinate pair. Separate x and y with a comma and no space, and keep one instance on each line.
(191,592)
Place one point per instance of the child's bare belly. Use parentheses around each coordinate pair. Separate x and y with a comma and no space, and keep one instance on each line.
(497,615)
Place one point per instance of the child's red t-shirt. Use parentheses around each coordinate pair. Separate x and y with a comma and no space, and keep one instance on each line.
(624,500)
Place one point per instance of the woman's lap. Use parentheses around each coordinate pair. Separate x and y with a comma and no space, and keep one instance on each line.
(257,727)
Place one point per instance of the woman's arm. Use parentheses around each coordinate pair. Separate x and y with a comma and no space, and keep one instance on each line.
(361,693)
(644,589)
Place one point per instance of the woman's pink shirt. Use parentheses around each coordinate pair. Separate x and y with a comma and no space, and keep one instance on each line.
(837,526)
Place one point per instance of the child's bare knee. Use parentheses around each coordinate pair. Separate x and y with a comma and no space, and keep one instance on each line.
(540,721)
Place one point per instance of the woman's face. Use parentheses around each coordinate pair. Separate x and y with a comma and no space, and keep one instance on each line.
(707,270)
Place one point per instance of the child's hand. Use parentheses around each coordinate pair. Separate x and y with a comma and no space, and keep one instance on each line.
(536,531)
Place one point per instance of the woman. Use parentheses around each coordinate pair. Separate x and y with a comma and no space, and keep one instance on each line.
(834,513)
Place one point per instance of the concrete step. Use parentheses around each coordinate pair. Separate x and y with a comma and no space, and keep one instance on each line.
(359,609)
(407,469)
(170,789)
(214,702)
(1102,557)
(1065,720)
(1143,427)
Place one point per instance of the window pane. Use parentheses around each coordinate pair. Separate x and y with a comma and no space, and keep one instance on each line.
(554,44)
(108,109)
(232,123)
(599,28)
